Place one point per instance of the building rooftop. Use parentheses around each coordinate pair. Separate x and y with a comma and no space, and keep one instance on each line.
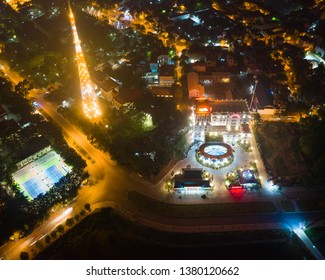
(104,82)
(245,128)
(191,177)
(32,147)
(247,176)
(109,85)
(229,106)
(161,91)
(263,97)
(128,95)
(166,70)
(193,173)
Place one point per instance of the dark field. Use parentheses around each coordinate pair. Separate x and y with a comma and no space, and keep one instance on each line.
(104,235)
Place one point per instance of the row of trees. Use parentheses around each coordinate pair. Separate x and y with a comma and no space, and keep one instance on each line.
(143,137)
(303,143)
(311,143)
(59,230)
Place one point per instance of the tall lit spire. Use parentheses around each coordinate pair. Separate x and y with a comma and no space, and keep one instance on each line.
(88,94)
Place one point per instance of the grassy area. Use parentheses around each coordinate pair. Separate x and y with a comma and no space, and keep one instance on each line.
(317,204)
(199,210)
(213,138)
(245,146)
(287,205)
(278,142)
(317,236)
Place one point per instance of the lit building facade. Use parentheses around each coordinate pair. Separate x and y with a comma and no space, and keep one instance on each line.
(192,181)
(229,118)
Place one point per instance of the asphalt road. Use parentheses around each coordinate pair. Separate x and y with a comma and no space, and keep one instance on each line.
(9,74)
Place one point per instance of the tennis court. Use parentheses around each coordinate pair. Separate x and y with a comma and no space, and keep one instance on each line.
(54,174)
(39,176)
(33,188)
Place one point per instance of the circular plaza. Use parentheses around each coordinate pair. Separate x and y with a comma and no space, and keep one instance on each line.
(215,154)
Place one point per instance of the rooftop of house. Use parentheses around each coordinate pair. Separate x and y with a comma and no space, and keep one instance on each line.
(104,82)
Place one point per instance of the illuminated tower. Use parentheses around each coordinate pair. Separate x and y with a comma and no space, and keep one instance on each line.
(87,89)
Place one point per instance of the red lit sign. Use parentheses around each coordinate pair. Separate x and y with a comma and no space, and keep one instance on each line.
(236,187)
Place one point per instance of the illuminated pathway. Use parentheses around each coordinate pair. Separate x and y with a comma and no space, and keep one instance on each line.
(88,94)
(312,248)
